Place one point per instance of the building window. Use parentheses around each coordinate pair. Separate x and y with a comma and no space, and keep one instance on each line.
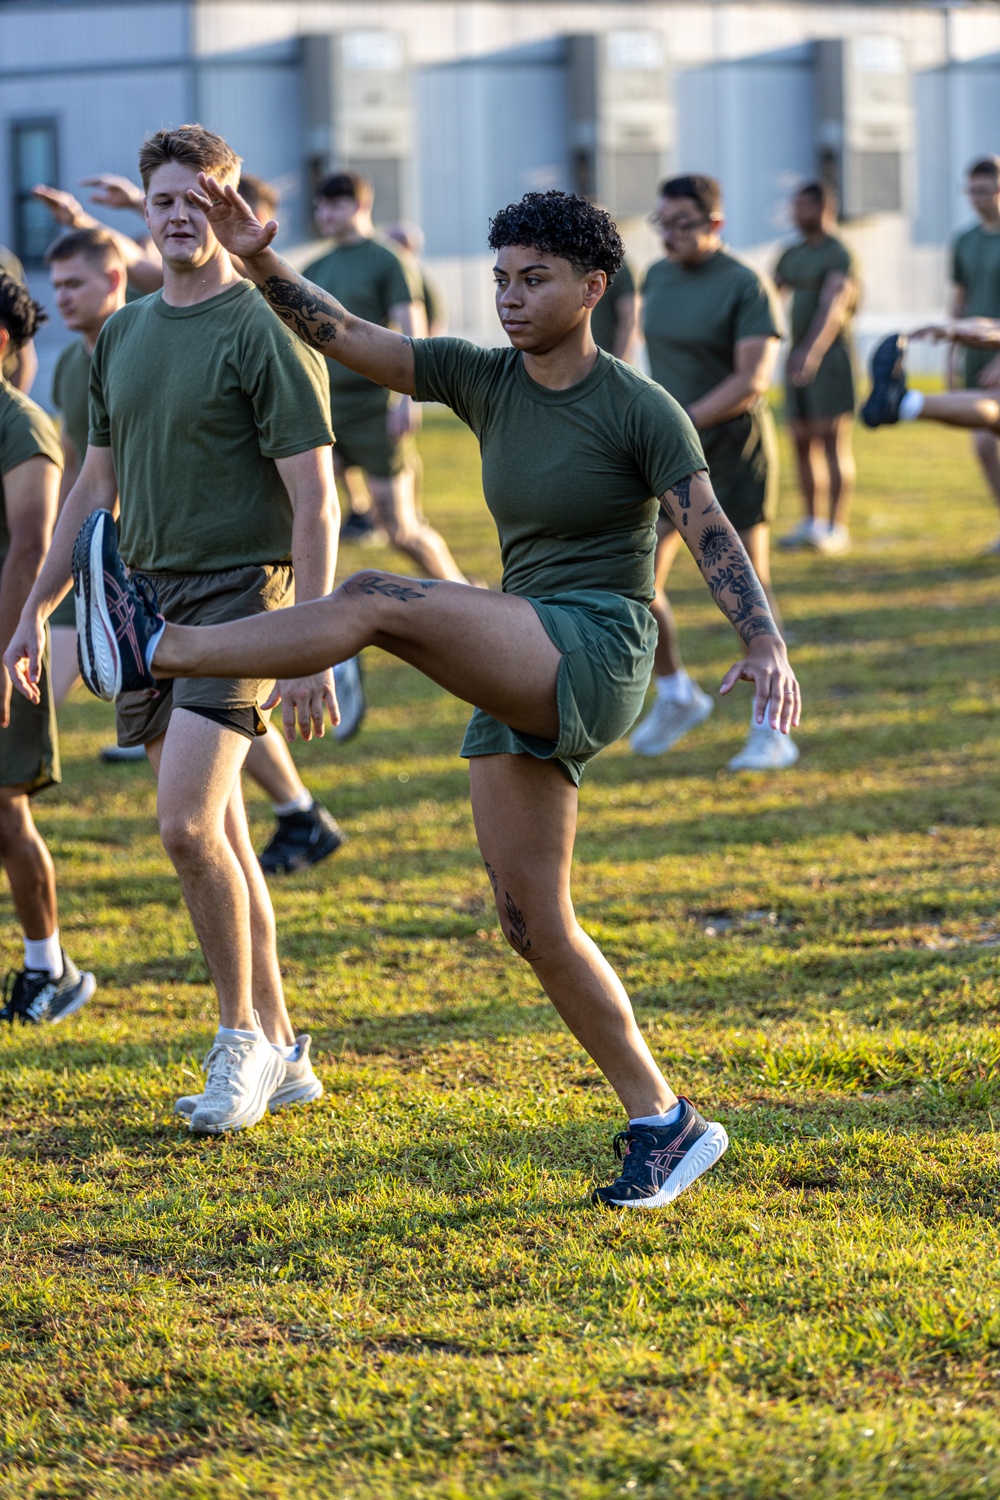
(33,160)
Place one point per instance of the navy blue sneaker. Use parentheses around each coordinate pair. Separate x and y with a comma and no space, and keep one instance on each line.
(888,382)
(33,997)
(659,1162)
(301,839)
(117,619)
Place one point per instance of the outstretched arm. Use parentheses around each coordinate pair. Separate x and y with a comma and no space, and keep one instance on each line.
(692,508)
(975,333)
(317,318)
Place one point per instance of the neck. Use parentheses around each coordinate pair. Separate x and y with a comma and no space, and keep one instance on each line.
(816,236)
(185,286)
(352,236)
(565,365)
(90,333)
(990,223)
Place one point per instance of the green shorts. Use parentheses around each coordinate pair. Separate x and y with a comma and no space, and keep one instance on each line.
(831,394)
(362,441)
(742,460)
(207,599)
(607,645)
(29,746)
(64,613)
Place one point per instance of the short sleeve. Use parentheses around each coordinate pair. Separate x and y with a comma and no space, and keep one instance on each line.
(58,398)
(99,424)
(756,311)
(842,260)
(290,394)
(958,273)
(456,373)
(663,439)
(781,269)
(28,432)
(401,282)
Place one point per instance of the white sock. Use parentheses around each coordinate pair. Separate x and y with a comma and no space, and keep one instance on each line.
(675,688)
(44,953)
(234,1034)
(670,1118)
(302,803)
(911,406)
(289,1051)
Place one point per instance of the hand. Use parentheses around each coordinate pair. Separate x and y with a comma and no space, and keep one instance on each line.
(803,366)
(63,207)
(775,687)
(23,658)
(233,223)
(303,700)
(114,192)
(404,417)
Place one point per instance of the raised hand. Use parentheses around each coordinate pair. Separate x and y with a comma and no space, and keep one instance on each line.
(114,192)
(63,207)
(234,224)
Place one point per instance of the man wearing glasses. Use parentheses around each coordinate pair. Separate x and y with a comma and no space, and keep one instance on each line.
(712,328)
(975,273)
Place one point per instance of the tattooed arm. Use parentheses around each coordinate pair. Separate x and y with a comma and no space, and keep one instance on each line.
(314,315)
(715,546)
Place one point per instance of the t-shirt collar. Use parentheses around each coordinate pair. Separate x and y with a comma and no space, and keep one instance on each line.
(546,397)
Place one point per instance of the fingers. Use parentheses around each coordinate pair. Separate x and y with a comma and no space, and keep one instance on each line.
(273,698)
(288,720)
(332,706)
(777,695)
(731,678)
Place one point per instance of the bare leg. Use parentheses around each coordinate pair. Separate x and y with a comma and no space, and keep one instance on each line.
(353,488)
(667,658)
(802,438)
(266,987)
(64,669)
(395,503)
(525,815)
(757,541)
(987,451)
(840,462)
(269,762)
(975,409)
(28,865)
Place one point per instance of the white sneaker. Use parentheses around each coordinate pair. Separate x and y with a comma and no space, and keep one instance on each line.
(766,749)
(241,1077)
(299,1085)
(667,721)
(802,535)
(833,541)
(350,690)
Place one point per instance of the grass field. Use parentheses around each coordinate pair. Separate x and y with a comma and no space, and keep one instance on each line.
(403,1292)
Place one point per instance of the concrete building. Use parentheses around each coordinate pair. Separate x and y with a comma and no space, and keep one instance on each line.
(457,106)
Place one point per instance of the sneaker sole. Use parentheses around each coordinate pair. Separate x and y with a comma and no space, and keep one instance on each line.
(884,362)
(90,599)
(706,1151)
(252,1113)
(303,1093)
(87,987)
(737,764)
(703,711)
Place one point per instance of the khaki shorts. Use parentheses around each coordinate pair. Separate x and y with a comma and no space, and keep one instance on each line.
(207,599)
(362,442)
(29,746)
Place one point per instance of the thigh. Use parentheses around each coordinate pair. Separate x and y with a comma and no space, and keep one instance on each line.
(757,541)
(197,764)
(667,546)
(395,499)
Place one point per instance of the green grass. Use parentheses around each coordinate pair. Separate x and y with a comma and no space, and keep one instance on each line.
(403,1292)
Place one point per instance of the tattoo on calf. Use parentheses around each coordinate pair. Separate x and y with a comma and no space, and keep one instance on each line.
(518,926)
(494,882)
(374,583)
(311,316)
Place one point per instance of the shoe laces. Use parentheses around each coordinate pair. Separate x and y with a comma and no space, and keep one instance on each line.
(632,1160)
(17,989)
(222,1065)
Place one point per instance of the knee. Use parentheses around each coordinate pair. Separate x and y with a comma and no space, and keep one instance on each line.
(185,837)
(530,938)
(12,828)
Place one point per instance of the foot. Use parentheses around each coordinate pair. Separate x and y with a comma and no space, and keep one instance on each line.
(802,535)
(120,754)
(667,721)
(832,541)
(659,1163)
(888,382)
(360,529)
(766,749)
(299,1085)
(350,690)
(301,839)
(241,1077)
(35,998)
(116,620)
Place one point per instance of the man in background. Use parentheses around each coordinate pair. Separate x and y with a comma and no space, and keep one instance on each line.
(975,274)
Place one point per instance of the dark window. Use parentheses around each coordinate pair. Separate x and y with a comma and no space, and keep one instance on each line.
(33,160)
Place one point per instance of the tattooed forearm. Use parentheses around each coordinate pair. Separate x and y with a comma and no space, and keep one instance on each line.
(306,310)
(517,926)
(738,594)
(389,588)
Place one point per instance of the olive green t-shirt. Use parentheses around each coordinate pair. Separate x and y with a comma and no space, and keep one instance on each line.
(804,268)
(694,316)
(369,278)
(569,476)
(604,318)
(975,266)
(71,393)
(25,432)
(196,403)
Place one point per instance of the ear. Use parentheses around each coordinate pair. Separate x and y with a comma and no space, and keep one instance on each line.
(595,284)
(717,222)
(4,342)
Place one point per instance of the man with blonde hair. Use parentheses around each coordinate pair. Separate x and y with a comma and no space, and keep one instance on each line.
(209,422)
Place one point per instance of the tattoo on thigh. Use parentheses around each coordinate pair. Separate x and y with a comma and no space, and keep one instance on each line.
(494,882)
(518,926)
(374,583)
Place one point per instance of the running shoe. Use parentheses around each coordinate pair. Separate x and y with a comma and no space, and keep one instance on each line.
(362,531)
(832,541)
(301,839)
(33,997)
(299,1085)
(117,619)
(659,1162)
(888,382)
(241,1076)
(350,689)
(802,535)
(766,749)
(667,721)
(117,755)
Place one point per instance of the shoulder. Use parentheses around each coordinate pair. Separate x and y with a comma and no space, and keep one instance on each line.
(741,274)
(786,260)
(656,274)
(25,429)
(966,239)
(839,255)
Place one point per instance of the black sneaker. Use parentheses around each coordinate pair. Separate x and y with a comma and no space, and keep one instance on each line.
(301,839)
(116,616)
(888,382)
(659,1162)
(361,530)
(353,705)
(34,997)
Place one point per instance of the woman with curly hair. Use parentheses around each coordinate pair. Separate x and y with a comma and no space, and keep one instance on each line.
(579,451)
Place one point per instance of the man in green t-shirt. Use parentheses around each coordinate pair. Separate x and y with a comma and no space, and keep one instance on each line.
(374,433)
(209,422)
(615,320)
(975,275)
(49,987)
(820,274)
(712,329)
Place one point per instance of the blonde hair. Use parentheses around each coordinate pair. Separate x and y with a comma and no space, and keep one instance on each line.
(193,146)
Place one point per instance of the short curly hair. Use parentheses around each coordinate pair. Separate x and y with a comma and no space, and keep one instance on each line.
(562,224)
(20,314)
